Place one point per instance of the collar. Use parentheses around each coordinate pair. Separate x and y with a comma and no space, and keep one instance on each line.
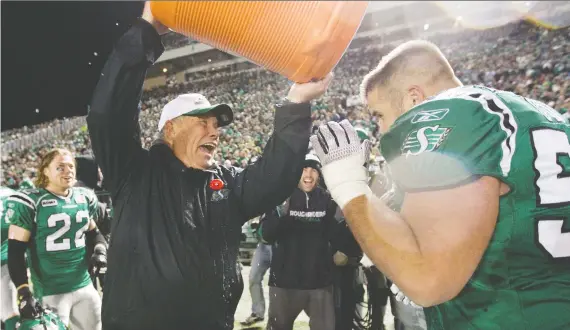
(165,154)
(310,193)
(65,198)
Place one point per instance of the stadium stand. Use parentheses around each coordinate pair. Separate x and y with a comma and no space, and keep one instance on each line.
(519,57)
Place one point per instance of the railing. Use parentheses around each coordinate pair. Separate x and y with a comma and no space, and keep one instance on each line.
(44,134)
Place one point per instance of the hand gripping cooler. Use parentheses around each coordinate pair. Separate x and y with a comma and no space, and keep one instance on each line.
(301,40)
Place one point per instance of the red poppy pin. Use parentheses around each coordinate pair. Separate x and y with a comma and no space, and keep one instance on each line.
(216,184)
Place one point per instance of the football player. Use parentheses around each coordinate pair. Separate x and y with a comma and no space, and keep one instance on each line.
(482,236)
(55,225)
(9,306)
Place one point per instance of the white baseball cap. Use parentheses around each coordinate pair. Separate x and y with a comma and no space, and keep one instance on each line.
(193,105)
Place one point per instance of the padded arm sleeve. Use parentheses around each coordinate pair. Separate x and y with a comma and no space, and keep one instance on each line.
(17,262)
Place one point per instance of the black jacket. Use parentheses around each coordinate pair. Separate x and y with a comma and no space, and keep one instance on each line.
(172,260)
(301,237)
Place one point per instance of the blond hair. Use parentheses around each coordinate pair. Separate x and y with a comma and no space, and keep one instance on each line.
(415,58)
(42,180)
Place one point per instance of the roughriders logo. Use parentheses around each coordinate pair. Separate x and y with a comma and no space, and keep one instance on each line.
(310,214)
(424,139)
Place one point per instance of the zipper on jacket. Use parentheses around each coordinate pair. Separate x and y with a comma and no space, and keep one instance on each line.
(307,200)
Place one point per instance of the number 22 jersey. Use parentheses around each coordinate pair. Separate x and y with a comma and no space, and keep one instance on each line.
(57,253)
(523,280)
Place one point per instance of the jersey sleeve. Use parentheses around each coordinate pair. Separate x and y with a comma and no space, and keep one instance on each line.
(93,204)
(21,211)
(449,142)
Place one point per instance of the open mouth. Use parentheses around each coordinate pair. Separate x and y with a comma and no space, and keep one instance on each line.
(208,147)
(308,180)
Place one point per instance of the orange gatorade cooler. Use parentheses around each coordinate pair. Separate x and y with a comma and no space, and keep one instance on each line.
(301,40)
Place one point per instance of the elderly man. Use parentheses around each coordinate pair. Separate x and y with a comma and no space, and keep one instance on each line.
(176,232)
(481,237)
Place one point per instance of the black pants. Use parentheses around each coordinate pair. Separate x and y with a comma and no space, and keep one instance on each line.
(286,304)
(348,294)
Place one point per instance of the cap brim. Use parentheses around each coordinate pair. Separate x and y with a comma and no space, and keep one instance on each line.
(223,112)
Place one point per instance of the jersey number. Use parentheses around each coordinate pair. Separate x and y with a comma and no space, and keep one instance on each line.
(552,185)
(65,243)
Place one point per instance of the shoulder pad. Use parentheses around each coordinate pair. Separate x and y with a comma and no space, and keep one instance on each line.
(30,191)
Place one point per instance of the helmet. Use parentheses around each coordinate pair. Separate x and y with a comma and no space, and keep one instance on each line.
(47,320)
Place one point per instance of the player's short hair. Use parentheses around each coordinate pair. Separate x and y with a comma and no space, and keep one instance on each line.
(408,59)
(42,180)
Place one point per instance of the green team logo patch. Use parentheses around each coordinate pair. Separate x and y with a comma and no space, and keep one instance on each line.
(425,139)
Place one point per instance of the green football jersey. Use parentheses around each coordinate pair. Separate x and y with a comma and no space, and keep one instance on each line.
(4,221)
(27,183)
(523,279)
(57,253)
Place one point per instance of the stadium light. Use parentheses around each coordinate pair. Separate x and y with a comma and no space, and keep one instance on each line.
(165,70)
(37,110)
(426,26)
(95,53)
(209,60)
(89,63)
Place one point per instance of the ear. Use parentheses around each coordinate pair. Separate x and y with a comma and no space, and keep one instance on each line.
(416,94)
(169,131)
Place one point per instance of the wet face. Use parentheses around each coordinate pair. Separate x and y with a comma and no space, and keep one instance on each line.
(61,172)
(309,179)
(382,107)
(194,140)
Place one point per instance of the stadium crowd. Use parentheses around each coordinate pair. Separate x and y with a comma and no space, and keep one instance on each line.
(519,57)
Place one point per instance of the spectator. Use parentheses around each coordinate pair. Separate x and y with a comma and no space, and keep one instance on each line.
(301,274)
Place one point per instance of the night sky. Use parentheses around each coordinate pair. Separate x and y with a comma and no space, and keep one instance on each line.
(46,49)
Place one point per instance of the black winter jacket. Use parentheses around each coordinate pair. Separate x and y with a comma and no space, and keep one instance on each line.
(302,241)
(172,261)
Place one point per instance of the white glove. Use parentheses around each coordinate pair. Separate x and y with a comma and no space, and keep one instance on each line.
(401,297)
(342,156)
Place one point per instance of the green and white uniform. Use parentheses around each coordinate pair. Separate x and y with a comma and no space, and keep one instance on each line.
(9,294)
(523,279)
(5,222)
(57,254)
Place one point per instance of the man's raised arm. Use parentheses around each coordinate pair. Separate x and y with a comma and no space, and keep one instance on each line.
(272,179)
(113,115)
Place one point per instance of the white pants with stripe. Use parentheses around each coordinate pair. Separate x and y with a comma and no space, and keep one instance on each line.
(9,295)
(81,309)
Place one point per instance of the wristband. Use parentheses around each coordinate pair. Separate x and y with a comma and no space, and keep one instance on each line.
(346,192)
(346,179)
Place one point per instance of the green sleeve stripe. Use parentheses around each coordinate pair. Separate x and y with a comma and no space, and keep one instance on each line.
(18,199)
